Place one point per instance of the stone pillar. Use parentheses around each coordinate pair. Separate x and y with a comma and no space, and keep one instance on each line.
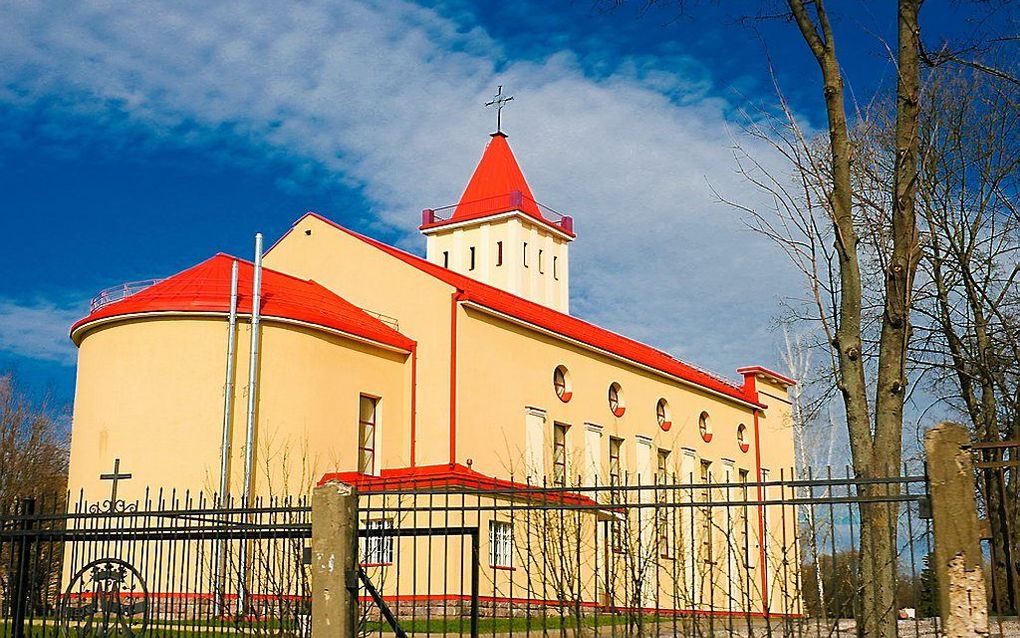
(334,560)
(963,605)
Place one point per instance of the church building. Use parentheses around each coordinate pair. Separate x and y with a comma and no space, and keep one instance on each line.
(375,365)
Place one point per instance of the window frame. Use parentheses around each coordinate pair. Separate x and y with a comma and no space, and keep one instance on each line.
(364,426)
(501,544)
(377,551)
(662,415)
(615,398)
(705,426)
(560,454)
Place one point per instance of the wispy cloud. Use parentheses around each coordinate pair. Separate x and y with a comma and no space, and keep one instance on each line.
(38,329)
(386,96)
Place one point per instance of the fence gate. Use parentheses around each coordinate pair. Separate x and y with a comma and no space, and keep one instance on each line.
(167,565)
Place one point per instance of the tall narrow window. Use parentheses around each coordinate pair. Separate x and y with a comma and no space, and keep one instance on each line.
(525,254)
(560,455)
(743,538)
(556,273)
(662,499)
(615,475)
(471,265)
(540,271)
(499,253)
(705,533)
(501,542)
(366,434)
(446,259)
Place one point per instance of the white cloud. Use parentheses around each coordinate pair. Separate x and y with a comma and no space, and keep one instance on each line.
(386,95)
(38,329)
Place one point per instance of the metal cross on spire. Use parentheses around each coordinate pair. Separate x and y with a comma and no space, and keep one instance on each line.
(499,101)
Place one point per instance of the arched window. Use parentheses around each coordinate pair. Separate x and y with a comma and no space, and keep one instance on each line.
(663,416)
(705,427)
(561,383)
(616,405)
(742,438)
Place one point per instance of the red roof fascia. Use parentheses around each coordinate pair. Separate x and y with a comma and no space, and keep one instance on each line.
(452,476)
(205,288)
(769,374)
(562,324)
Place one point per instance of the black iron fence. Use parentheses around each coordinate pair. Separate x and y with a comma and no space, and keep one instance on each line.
(476,556)
(671,557)
(170,564)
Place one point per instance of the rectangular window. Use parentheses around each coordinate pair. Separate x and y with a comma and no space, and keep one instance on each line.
(560,455)
(705,533)
(743,520)
(501,543)
(446,259)
(471,265)
(525,254)
(556,272)
(615,445)
(366,434)
(540,271)
(377,547)
(662,510)
(499,253)
(615,475)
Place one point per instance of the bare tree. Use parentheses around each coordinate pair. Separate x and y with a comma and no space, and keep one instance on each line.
(33,445)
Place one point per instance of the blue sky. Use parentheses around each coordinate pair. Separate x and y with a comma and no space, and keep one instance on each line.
(140,138)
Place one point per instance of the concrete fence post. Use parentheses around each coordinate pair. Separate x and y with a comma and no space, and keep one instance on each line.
(334,560)
(963,605)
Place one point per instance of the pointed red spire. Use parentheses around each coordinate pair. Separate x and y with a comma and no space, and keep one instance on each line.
(497,185)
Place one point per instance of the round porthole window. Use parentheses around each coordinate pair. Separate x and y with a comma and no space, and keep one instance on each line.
(561,383)
(616,405)
(662,415)
(742,438)
(705,427)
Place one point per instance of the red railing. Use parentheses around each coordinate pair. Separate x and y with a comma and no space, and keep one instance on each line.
(120,291)
(514,200)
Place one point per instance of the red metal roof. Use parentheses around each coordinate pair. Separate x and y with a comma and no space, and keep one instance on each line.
(205,288)
(497,186)
(563,324)
(449,477)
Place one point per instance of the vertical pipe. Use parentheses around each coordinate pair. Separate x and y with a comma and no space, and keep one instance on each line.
(228,397)
(249,441)
(228,417)
(253,366)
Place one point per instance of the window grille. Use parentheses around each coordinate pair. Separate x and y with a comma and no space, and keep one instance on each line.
(500,544)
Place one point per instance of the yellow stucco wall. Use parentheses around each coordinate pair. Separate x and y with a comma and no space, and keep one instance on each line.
(150,392)
(377,282)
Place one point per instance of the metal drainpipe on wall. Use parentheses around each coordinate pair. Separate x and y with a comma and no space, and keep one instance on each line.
(228,411)
(249,442)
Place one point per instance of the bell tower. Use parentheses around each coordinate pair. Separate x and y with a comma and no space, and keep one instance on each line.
(498,234)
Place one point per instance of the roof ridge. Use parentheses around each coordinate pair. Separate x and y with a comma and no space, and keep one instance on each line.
(449,275)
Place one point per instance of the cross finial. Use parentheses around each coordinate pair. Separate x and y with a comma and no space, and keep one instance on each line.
(499,101)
